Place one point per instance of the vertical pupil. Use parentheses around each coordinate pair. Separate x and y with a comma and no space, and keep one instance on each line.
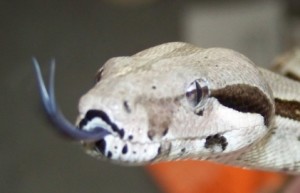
(194,93)
(199,92)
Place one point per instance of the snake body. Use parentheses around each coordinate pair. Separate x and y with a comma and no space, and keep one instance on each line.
(176,101)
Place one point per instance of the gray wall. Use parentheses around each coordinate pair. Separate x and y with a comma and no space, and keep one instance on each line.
(81,36)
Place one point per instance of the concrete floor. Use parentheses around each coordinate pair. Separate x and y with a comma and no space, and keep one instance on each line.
(82,36)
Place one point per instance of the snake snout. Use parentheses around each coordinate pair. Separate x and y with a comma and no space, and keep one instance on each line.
(95,119)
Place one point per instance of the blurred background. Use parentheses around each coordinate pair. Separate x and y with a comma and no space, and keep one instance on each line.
(82,35)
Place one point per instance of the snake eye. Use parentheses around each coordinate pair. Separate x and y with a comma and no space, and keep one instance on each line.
(99,75)
(196,94)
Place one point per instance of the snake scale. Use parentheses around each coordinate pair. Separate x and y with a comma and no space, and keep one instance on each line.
(177,101)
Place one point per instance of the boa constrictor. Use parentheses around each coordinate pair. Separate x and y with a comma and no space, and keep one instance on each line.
(176,101)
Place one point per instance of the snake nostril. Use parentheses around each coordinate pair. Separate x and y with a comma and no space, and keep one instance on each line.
(126,107)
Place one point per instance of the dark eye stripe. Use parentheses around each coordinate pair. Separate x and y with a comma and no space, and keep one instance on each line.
(245,98)
(288,109)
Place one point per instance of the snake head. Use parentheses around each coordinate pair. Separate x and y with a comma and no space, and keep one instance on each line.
(176,101)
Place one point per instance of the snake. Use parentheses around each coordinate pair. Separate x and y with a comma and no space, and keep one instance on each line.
(177,101)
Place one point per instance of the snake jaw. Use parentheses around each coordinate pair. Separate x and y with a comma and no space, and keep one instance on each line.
(53,112)
(117,145)
(123,151)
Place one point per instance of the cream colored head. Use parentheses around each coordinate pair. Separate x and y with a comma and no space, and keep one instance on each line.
(176,101)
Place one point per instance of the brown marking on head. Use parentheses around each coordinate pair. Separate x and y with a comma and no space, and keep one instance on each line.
(288,109)
(292,76)
(160,113)
(245,98)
